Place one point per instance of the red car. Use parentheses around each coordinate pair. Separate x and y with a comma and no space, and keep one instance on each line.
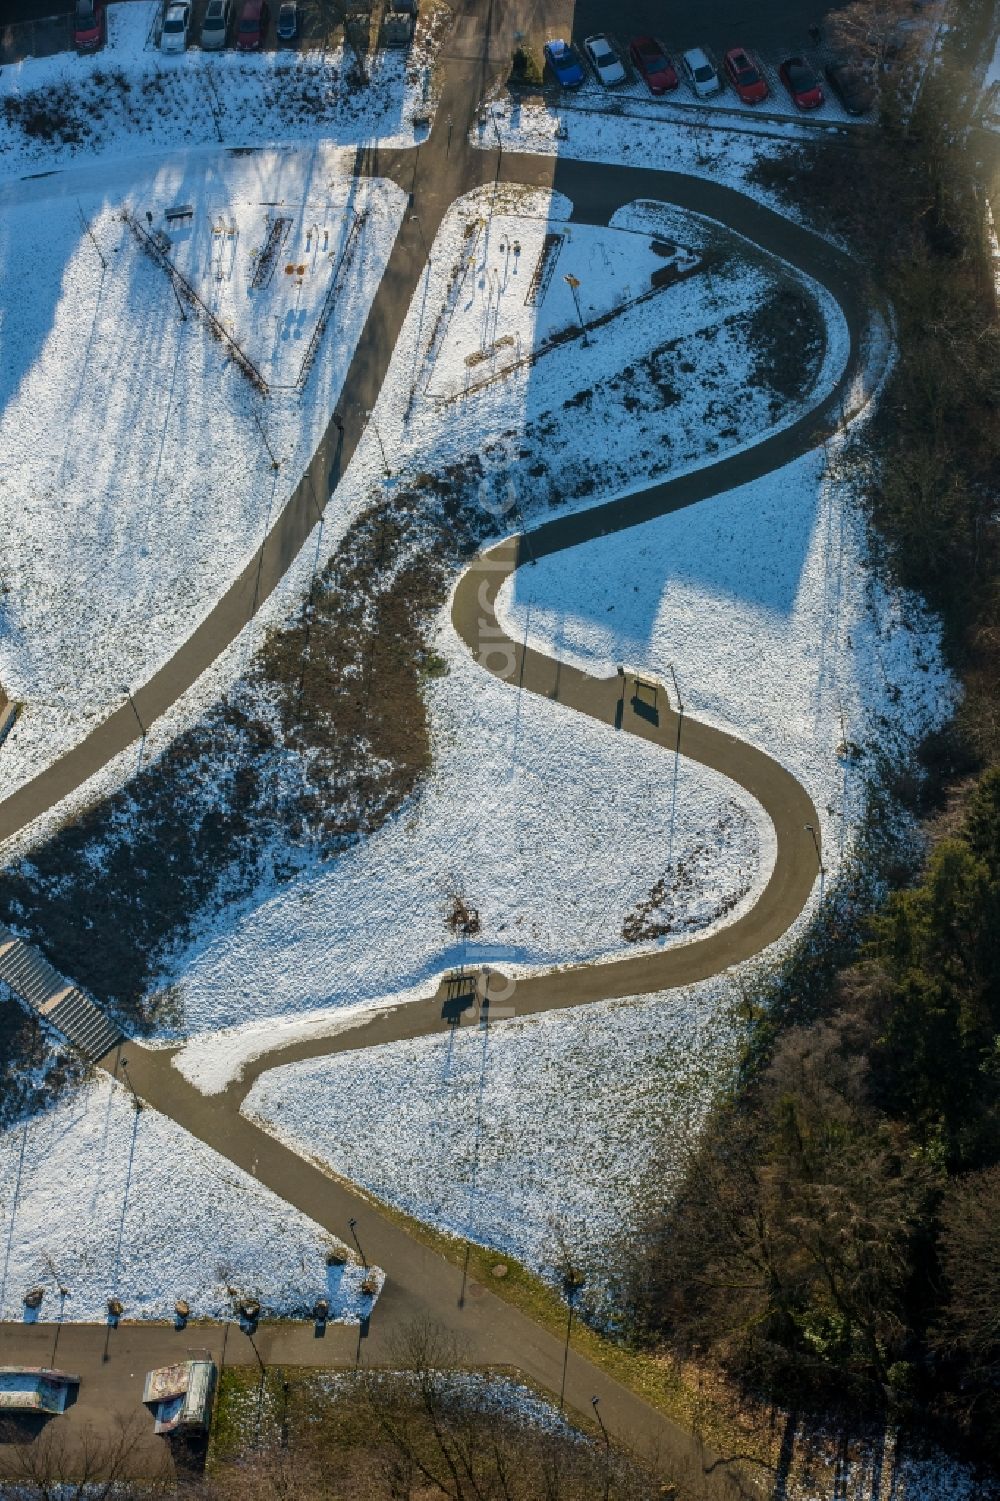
(745,76)
(801,81)
(252,26)
(653,64)
(88,25)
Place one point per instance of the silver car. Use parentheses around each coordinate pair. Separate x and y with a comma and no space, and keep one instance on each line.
(700,72)
(174,36)
(215,26)
(604,60)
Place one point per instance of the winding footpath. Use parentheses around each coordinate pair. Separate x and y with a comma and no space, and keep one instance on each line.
(420,1282)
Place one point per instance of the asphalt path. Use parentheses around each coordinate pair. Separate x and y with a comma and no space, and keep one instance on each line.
(420,1282)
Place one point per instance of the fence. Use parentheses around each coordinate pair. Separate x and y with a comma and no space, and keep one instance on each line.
(185,292)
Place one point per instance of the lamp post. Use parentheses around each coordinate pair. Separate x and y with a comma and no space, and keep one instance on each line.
(810,829)
(128,694)
(677,688)
(263,436)
(572,1282)
(496,132)
(573,282)
(595,1404)
(260,1390)
(385,462)
(415,219)
(128,1081)
(353,1225)
(63,1295)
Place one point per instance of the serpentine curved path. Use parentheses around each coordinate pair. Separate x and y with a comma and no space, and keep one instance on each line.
(420,1282)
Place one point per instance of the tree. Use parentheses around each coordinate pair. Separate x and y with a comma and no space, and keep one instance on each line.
(870,31)
(788,1247)
(67,1463)
(969,1322)
(938,946)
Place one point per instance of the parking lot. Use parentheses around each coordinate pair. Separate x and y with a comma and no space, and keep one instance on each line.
(39,35)
(32,29)
(777,29)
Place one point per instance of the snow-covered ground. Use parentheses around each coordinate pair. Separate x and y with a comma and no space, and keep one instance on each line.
(534,1136)
(550,826)
(726,153)
(137,475)
(669,379)
(553,829)
(763,601)
(875,1470)
(102,1201)
(129,98)
(526,799)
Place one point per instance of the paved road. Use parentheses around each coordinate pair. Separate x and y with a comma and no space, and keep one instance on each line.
(419,1280)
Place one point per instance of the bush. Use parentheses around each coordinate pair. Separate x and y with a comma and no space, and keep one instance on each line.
(525,68)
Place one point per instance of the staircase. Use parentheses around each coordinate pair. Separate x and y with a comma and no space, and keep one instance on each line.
(41,988)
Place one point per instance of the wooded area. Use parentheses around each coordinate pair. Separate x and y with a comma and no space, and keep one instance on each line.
(836,1239)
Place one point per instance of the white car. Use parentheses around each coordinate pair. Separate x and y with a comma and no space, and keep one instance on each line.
(604,60)
(700,72)
(216,24)
(174,37)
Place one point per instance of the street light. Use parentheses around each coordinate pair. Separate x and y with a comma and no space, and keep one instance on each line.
(128,694)
(677,688)
(353,1225)
(63,1295)
(595,1404)
(572,1282)
(260,1389)
(371,418)
(415,219)
(810,829)
(573,283)
(496,132)
(128,1081)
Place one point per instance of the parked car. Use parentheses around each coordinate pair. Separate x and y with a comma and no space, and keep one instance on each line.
(699,70)
(604,60)
(176,23)
(652,64)
(799,77)
(564,60)
(852,87)
(288,21)
(88,25)
(216,24)
(252,26)
(745,76)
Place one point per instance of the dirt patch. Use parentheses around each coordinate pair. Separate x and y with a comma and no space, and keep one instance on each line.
(313,750)
(786,338)
(32,1069)
(677,894)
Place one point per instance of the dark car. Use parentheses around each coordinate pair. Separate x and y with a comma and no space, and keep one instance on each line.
(745,76)
(799,77)
(88,24)
(564,60)
(288,22)
(852,87)
(253,25)
(652,64)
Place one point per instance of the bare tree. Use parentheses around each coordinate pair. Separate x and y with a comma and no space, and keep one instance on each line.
(871,31)
(349,16)
(969,1324)
(67,1463)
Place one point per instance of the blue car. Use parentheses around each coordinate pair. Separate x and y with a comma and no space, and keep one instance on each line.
(564,60)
